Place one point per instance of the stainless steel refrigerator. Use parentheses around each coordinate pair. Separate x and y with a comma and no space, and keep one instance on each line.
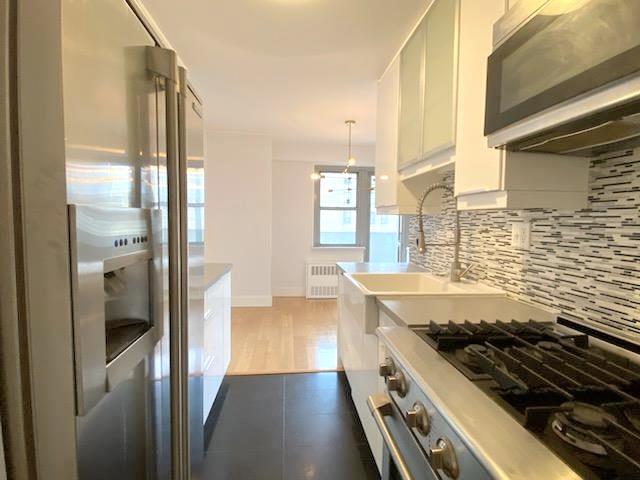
(135,194)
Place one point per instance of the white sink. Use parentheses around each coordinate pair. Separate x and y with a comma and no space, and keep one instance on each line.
(416,283)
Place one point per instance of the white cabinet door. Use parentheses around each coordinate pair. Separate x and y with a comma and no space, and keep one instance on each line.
(351,329)
(411,90)
(217,339)
(387,136)
(393,196)
(440,84)
(226,322)
(478,167)
(359,355)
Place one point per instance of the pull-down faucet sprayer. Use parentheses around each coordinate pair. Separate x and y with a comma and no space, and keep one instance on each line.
(455,274)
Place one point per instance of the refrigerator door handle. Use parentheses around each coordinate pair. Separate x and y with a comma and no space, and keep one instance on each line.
(184,259)
(163,62)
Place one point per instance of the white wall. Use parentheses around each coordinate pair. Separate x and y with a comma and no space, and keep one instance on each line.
(238,213)
(293,164)
(322,153)
(259,213)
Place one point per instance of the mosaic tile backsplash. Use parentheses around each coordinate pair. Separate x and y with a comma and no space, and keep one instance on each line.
(583,263)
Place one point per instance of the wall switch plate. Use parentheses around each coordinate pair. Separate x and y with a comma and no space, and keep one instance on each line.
(521,235)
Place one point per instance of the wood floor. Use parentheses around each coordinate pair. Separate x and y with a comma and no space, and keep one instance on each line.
(295,335)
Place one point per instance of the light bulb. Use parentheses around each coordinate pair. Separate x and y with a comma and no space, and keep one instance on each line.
(384,177)
(315,176)
(351,162)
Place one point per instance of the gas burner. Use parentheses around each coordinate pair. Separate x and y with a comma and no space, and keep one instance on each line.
(577,422)
(549,346)
(588,415)
(474,350)
(470,355)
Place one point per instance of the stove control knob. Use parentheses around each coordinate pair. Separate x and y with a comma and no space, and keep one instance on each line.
(443,457)
(387,368)
(418,418)
(397,383)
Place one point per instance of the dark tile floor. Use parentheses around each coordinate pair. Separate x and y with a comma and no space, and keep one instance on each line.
(287,427)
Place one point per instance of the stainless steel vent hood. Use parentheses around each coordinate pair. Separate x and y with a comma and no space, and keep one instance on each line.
(593,136)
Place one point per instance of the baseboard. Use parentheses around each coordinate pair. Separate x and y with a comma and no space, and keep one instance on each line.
(252,301)
(289,291)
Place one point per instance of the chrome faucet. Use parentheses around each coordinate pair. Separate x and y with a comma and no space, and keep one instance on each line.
(455,274)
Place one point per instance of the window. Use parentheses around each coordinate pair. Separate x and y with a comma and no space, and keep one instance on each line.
(339,205)
(387,234)
(345,215)
(195,202)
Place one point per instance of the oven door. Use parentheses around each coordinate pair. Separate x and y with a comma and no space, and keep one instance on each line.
(403,458)
(565,49)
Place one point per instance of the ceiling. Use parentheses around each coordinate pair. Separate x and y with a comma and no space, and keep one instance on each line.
(291,69)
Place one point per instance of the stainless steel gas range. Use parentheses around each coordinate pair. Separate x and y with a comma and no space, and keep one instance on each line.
(508,400)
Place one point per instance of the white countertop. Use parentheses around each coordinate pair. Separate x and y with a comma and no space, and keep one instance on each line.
(213,272)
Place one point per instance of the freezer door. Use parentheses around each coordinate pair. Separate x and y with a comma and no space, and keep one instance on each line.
(108,97)
(112,160)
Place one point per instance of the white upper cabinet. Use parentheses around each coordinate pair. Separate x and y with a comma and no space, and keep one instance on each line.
(428,74)
(411,97)
(433,98)
(440,75)
(392,195)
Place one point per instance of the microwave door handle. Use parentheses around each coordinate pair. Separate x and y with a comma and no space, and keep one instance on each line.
(380,406)
(163,63)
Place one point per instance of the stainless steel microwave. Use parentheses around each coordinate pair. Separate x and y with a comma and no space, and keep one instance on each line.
(564,77)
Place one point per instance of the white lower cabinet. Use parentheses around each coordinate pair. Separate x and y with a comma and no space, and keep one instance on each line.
(217,339)
(358,352)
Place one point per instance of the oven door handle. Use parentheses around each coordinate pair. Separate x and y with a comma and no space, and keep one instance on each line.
(380,406)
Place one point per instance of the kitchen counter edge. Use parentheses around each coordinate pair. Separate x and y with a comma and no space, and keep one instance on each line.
(214,272)
(374,267)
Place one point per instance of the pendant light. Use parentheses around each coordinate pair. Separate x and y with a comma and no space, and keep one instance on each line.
(351,161)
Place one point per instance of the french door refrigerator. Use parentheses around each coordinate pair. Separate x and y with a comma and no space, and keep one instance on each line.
(134,183)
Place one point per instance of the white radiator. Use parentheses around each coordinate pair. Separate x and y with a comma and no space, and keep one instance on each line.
(322,280)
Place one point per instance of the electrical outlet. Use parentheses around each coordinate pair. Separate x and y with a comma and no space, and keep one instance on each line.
(521,235)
